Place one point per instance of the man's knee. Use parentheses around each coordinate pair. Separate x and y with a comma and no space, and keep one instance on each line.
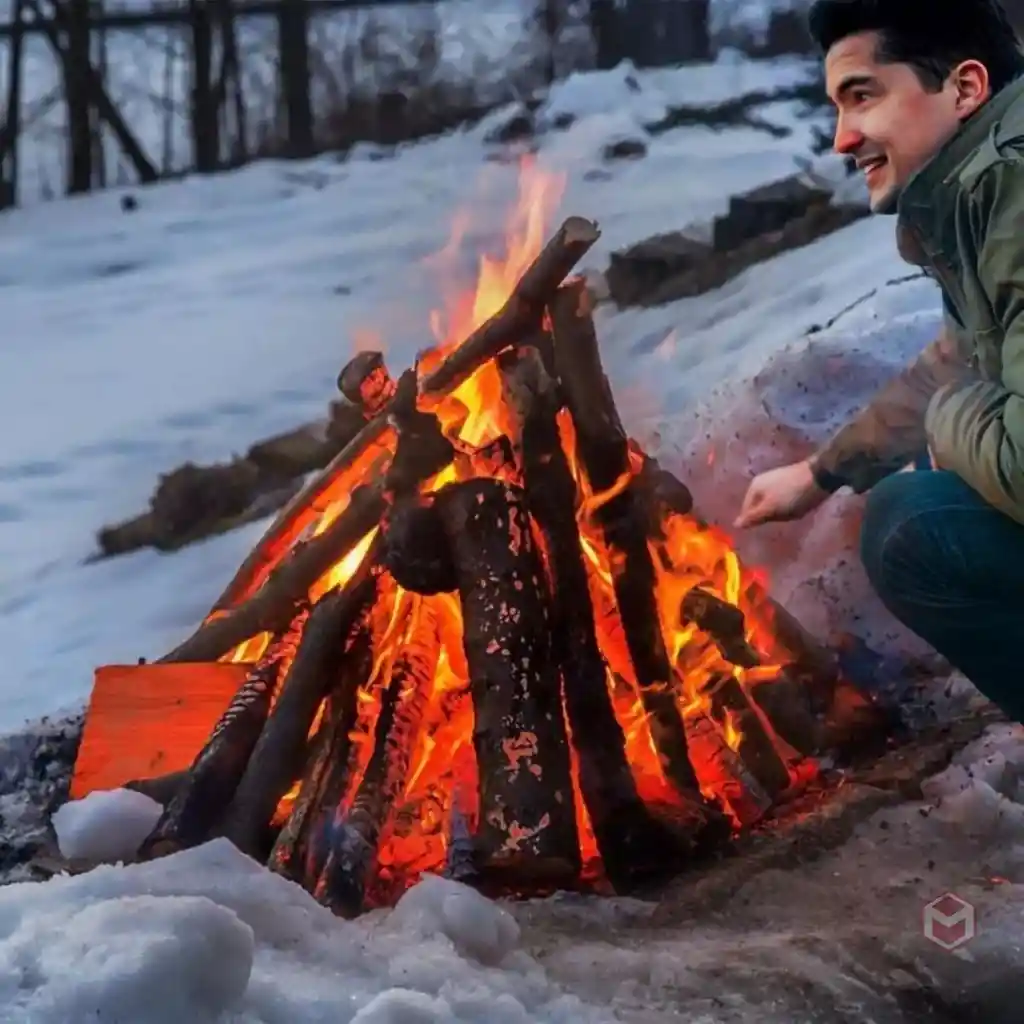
(903,533)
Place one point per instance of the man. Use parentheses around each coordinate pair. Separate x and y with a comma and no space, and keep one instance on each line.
(930,104)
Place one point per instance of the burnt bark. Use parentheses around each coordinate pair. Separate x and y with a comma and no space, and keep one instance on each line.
(521,314)
(631,842)
(526,828)
(603,449)
(278,757)
(354,846)
(203,797)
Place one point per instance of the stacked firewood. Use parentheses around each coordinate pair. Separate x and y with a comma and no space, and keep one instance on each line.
(282,775)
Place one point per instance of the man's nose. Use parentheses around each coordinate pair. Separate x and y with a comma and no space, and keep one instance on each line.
(848,140)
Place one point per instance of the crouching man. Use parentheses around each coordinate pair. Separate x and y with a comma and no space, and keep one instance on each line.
(930,104)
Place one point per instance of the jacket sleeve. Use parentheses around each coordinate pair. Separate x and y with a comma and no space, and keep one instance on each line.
(977,430)
(890,432)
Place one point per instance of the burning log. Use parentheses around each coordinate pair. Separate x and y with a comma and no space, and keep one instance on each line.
(603,450)
(366,383)
(726,773)
(734,714)
(724,623)
(195,809)
(354,844)
(521,313)
(527,823)
(299,851)
(631,842)
(278,757)
(422,451)
(785,702)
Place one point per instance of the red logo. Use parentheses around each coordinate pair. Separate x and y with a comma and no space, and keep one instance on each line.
(949,921)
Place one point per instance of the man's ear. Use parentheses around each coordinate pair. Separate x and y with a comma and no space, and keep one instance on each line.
(973,88)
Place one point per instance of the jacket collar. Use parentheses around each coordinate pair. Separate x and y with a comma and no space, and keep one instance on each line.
(927,198)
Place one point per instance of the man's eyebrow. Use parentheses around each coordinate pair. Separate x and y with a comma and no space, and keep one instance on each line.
(852,82)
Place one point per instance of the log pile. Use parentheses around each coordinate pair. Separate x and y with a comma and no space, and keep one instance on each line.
(524,661)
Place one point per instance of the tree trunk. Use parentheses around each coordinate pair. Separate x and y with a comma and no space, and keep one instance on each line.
(293,43)
(77,64)
(205,109)
(10,136)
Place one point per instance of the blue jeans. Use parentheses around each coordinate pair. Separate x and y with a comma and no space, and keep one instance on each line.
(951,568)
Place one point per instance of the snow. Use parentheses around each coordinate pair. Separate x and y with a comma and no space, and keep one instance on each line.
(208,935)
(218,313)
(106,825)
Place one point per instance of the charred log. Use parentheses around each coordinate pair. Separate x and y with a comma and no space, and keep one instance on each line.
(161,788)
(202,798)
(526,825)
(723,622)
(521,313)
(421,452)
(278,757)
(354,842)
(785,702)
(603,450)
(735,715)
(416,548)
(301,846)
(366,382)
(631,843)
(726,772)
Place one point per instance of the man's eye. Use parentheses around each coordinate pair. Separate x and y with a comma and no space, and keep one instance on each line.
(860,95)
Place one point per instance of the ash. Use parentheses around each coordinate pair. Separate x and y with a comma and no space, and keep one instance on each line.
(35,772)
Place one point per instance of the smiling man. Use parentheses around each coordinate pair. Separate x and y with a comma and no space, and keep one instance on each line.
(930,105)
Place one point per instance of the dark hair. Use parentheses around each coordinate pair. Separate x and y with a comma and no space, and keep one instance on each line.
(932,36)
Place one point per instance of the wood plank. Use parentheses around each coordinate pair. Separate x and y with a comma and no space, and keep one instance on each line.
(148,720)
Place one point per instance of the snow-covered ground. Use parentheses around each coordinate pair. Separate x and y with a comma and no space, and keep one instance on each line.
(208,936)
(220,310)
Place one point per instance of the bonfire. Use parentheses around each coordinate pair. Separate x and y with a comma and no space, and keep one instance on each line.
(493,639)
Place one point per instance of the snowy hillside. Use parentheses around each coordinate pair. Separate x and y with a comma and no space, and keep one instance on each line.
(220,310)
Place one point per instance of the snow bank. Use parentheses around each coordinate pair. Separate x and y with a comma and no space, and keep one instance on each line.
(208,935)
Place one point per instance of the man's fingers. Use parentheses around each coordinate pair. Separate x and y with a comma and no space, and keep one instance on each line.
(752,507)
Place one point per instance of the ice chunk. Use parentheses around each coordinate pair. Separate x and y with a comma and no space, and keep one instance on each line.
(105,826)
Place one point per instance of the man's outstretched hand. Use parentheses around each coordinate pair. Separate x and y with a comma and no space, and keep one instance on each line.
(780,495)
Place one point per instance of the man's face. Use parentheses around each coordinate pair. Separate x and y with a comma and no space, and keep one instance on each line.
(888,121)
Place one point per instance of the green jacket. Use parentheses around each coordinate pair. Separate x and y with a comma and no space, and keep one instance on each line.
(962,217)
